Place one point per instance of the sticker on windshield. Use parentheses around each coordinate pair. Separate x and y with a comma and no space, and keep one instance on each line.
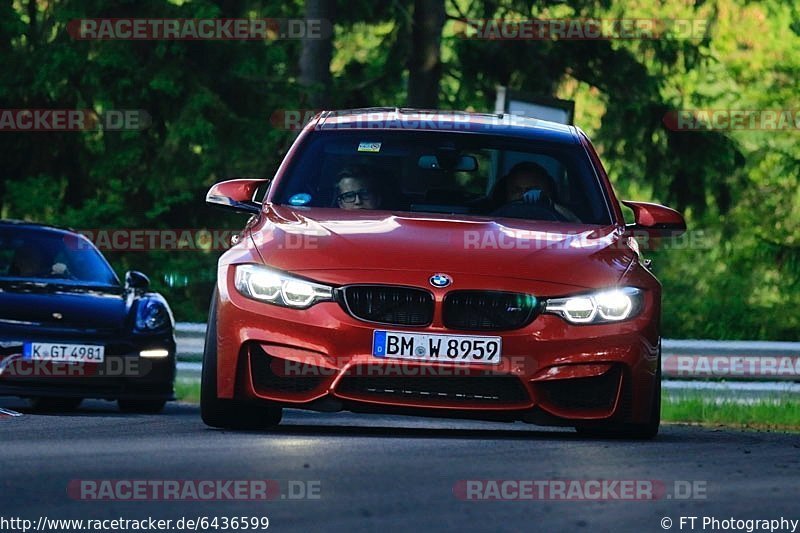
(300,199)
(369,147)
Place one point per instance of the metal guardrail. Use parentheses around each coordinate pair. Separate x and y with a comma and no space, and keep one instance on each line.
(751,360)
(681,359)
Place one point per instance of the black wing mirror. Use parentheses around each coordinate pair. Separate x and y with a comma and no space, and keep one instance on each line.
(136,280)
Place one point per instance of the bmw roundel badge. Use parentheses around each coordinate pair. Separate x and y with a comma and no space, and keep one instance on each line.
(441,280)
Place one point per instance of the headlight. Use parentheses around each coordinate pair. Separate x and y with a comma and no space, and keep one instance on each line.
(273,286)
(152,315)
(607,306)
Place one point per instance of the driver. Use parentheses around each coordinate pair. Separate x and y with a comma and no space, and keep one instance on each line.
(529,182)
(357,189)
(29,262)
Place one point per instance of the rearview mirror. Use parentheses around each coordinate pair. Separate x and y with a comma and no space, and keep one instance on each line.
(655,220)
(465,163)
(136,280)
(236,194)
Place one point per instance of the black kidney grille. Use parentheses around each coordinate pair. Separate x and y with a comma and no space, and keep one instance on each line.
(385,304)
(488,310)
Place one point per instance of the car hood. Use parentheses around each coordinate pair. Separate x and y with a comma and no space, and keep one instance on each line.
(62,306)
(323,239)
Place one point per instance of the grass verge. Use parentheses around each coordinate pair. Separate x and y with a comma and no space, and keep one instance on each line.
(187,390)
(781,413)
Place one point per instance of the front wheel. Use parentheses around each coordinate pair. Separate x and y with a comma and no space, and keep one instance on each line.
(224,413)
(643,431)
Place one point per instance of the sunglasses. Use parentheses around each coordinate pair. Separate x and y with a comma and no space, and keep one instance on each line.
(350,197)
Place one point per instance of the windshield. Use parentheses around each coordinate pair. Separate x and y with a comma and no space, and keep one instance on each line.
(455,173)
(46,255)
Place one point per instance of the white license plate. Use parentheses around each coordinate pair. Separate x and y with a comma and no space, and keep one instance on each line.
(436,348)
(68,353)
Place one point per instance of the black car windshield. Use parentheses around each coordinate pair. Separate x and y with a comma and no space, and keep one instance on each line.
(452,173)
(42,254)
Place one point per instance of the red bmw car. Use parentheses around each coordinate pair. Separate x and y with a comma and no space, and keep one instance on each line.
(439,264)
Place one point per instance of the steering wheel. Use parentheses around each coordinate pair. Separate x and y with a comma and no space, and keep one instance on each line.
(522,209)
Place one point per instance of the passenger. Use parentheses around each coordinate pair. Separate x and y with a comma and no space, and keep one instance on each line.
(530,183)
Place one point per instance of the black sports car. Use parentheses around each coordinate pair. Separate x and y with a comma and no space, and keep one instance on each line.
(70,330)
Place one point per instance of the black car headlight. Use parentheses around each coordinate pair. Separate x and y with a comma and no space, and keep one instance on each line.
(613,305)
(152,315)
(273,286)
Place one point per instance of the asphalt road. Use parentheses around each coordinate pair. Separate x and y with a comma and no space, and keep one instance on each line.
(384,473)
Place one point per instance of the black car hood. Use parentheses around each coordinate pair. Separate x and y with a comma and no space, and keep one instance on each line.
(63,305)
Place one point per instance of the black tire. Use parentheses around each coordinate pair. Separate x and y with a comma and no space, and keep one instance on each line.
(44,404)
(224,413)
(644,431)
(141,406)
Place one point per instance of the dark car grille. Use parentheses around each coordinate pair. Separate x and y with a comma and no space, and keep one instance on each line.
(488,310)
(403,306)
(500,389)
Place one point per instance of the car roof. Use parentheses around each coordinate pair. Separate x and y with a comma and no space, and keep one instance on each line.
(394,119)
(11,223)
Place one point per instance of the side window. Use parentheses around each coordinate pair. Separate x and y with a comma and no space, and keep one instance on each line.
(6,256)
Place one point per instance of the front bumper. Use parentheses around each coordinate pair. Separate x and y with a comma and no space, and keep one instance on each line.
(551,371)
(123,374)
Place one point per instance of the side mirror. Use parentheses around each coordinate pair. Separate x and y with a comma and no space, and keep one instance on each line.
(655,220)
(236,194)
(136,280)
